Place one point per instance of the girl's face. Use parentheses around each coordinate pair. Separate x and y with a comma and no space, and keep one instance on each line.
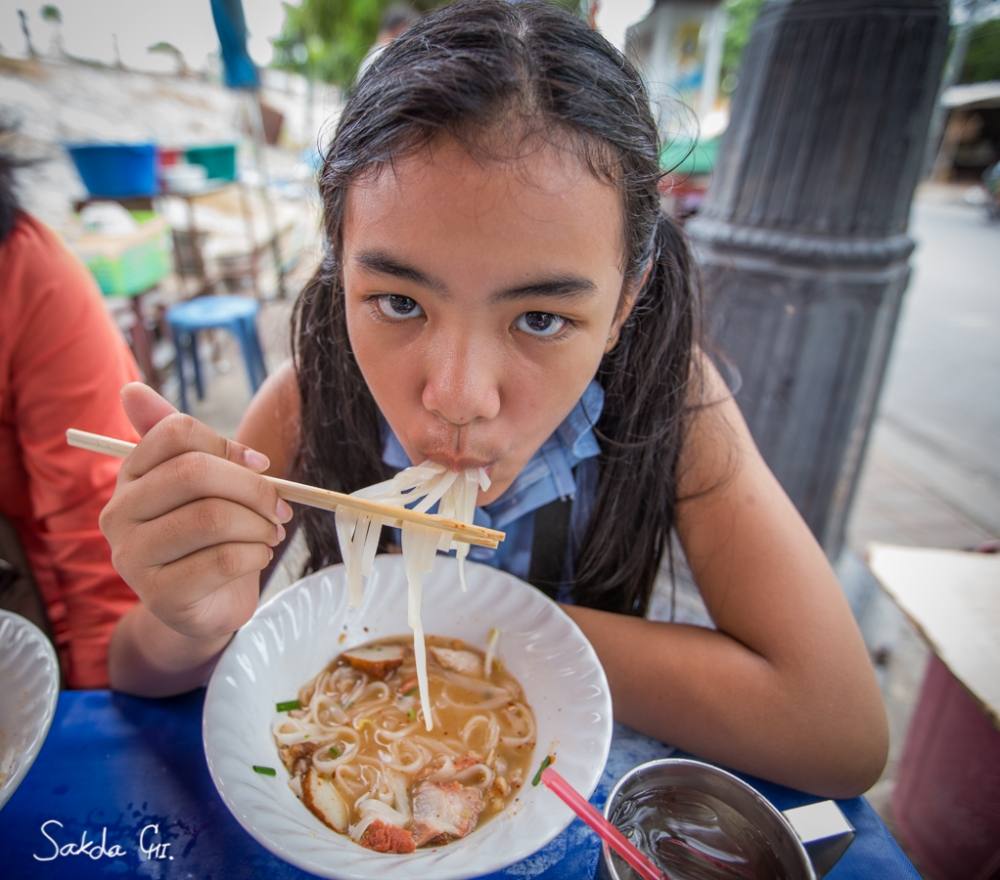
(481,297)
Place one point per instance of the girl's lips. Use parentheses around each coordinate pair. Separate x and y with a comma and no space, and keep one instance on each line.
(461,463)
(445,452)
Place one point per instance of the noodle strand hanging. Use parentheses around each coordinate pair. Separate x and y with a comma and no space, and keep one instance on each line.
(420,488)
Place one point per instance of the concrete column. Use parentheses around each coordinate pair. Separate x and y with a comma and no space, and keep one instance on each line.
(715,27)
(803,238)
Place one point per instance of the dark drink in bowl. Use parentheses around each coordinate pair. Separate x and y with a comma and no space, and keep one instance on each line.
(694,835)
(699,822)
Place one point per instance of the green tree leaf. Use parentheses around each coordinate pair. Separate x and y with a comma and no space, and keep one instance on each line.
(982,58)
(740,16)
(327,39)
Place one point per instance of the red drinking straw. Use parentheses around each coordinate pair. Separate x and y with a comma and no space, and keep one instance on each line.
(611,835)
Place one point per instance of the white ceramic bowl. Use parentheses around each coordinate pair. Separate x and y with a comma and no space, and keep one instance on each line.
(29,671)
(293,636)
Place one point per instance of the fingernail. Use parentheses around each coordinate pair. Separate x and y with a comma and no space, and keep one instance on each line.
(256,460)
(283,511)
(280,529)
(270,554)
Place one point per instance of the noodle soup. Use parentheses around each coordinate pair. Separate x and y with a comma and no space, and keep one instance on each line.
(362,761)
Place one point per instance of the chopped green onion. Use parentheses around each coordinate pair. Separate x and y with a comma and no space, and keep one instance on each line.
(410,692)
(264,771)
(412,714)
(545,763)
(288,705)
(334,752)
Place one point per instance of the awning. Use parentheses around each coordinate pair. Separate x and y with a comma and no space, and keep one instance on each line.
(972,95)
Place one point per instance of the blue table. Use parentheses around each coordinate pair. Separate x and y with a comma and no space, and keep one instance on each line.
(131,773)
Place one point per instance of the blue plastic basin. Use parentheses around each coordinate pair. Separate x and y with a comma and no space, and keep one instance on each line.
(115,169)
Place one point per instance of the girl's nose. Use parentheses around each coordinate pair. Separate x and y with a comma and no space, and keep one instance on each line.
(462,384)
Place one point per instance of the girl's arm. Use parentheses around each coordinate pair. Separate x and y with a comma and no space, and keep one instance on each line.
(146,655)
(784,688)
(148,658)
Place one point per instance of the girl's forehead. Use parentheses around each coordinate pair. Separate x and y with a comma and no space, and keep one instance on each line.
(545,193)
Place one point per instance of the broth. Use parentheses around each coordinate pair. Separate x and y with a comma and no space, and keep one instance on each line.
(361,760)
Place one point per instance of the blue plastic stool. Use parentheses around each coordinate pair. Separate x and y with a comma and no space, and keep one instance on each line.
(237,314)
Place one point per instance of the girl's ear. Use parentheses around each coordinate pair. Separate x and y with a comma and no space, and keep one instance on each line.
(630,294)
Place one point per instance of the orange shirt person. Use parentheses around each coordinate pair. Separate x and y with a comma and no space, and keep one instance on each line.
(62,363)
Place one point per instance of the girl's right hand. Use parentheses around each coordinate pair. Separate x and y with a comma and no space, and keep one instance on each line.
(192,522)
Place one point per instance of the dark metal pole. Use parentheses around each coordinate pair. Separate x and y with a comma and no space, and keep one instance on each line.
(803,238)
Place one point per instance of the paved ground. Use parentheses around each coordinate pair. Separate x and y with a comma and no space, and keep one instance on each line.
(931,477)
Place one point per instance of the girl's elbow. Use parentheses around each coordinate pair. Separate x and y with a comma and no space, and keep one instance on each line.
(840,742)
(873,752)
(862,753)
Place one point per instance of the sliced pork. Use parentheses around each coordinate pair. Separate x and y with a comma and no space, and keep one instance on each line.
(444,811)
(384,837)
(321,796)
(463,662)
(376,660)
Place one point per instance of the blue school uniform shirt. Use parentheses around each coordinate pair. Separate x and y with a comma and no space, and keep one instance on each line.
(564,467)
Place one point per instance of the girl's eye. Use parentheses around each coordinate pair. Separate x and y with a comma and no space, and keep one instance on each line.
(540,324)
(398,308)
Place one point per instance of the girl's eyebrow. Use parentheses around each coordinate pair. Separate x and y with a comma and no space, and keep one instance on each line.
(559,285)
(384,264)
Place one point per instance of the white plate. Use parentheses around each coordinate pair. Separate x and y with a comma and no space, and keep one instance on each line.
(30,675)
(293,636)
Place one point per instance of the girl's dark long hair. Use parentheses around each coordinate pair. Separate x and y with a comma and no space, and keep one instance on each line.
(471,71)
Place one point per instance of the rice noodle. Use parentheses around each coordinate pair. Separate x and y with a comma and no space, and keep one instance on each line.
(491,738)
(326,709)
(491,649)
(451,747)
(474,684)
(289,733)
(421,548)
(449,702)
(353,780)
(379,688)
(420,488)
(485,773)
(445,772)
(345,740)
(382,734)
(407,756)
(526,734)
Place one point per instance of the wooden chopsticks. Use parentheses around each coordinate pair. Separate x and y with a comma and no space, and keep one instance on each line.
(325,499)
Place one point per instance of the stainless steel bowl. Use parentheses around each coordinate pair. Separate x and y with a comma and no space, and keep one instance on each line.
(806,841)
